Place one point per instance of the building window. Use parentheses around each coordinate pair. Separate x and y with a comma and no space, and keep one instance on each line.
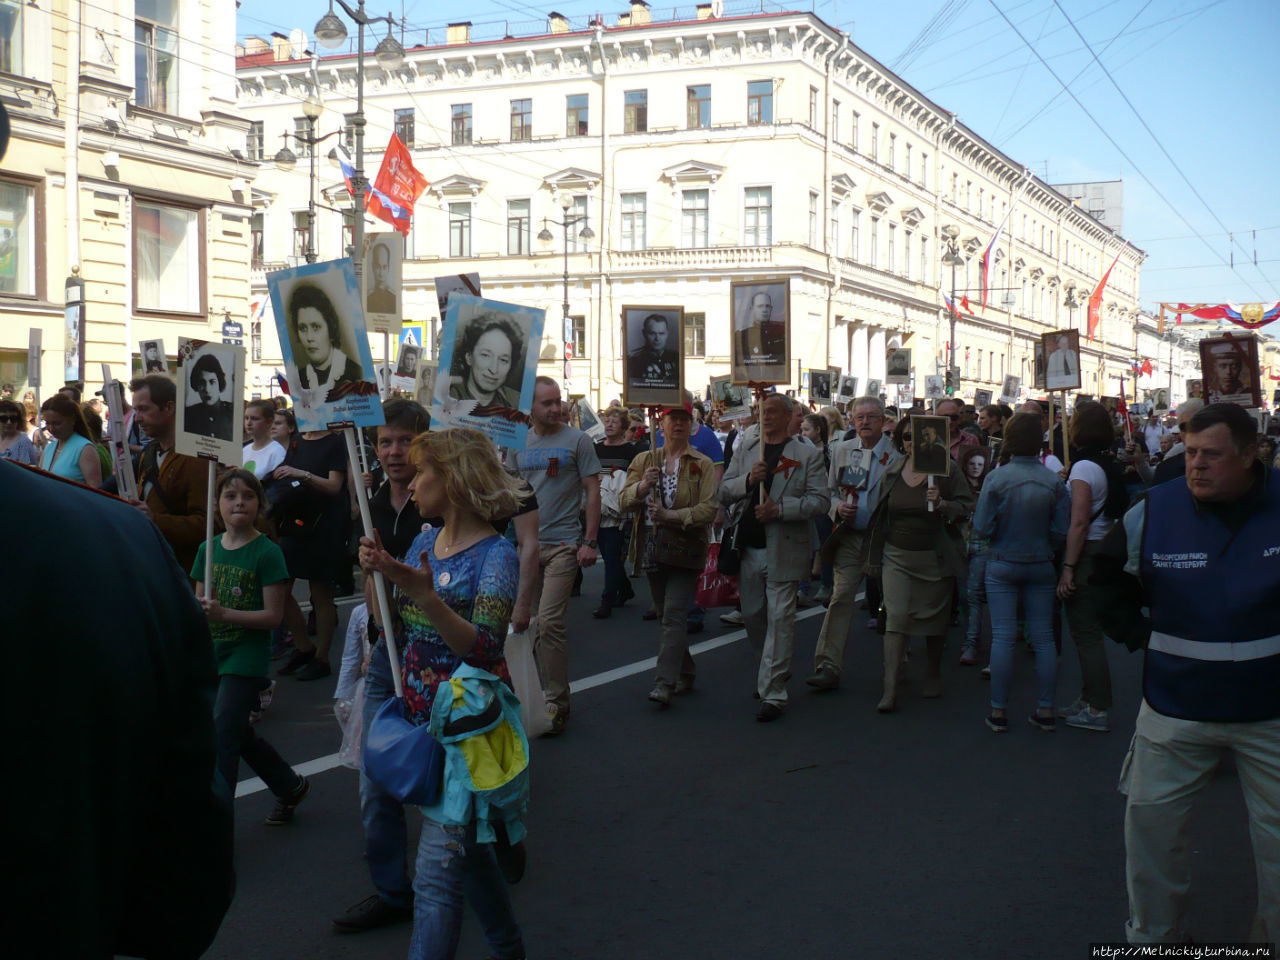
(855,239)
(694,218)
(460,229)
(906,253)
(893,144)
(906,160)
(460,124)
(576,115)
(577,216)
(968,194)
(301,230)
(760,101)
(981,201)
(698,101)
(875,242)
(695,334)
(813,107)
(349,132)
(11,36)
(635,107)
(255,341)
(252,140)
(955,187)
(924,170)
(521,119)
(302,128)
(19,245)
(633,221)
(257,240)
(813,219)
(835,121)
(758,216)
(168,258)
(853,131)
(155,55)
(579,341)
(875,143)
(893,245)
(835,228)
(517,228)
(924,259)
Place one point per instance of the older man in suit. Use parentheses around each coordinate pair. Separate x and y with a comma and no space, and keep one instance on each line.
(773,535)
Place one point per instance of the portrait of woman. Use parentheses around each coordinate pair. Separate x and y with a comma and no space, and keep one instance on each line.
(975,463)
(317,333)
(489,354)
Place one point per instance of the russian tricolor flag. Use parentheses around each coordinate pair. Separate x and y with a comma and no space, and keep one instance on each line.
(348,168)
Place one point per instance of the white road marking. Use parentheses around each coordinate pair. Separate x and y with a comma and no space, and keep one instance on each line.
(319,765)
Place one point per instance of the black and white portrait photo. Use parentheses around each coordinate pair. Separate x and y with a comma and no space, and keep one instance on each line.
(407,362)
(468,283)
(652,340)
(210,421)
(731,399)
(1037,365)
(153,357)
(934,387)
(898,366)
(382,268)
(981,398)
(760,346)
(820,386)
(1229,366)
(488,360)
(1011,388)
(930,441)
(874,388)
(1061,350)
(848,389)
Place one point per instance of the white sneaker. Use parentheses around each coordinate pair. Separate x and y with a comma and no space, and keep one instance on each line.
(1072,710)
(733,618)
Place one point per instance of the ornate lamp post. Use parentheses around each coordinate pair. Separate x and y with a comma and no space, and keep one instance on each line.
(546,238)
(951,238)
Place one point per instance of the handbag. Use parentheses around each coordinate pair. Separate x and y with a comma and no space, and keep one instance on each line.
(403,759)
(714,588)
(674,547)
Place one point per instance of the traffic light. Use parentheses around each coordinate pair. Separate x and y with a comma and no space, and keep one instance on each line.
(953,381)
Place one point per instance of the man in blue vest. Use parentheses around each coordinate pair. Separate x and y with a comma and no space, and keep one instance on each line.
(1211,684)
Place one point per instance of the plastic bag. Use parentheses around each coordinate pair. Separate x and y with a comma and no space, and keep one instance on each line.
(525,682)
(715,589)
(350,714)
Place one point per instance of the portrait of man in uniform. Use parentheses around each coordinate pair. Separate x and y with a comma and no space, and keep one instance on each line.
(382,298)
(898,366)
(1230,368)
(761,332)
(929,444)
(653,339)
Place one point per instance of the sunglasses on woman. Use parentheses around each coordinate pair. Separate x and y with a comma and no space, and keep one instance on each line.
(8,418)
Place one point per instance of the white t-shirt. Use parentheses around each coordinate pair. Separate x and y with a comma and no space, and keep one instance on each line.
(1096,478)
(263,461)
(1152,433)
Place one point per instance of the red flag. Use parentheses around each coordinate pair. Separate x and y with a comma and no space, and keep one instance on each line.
(1095,298)
(1147,369)
(964,304)
(397,187)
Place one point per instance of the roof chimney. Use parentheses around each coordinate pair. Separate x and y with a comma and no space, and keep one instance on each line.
(640,13)
(704,11)
(558,23)
(281,48)
(254,45)
(458,33)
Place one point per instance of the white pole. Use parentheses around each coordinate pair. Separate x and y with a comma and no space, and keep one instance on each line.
(208,531)
(379,584)
(932,484)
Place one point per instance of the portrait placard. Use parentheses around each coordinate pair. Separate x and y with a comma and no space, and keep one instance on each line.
(1037,365)
(1159,398)
(820,385)
(153,356)
(408,361)
(652,342)
(210,407)
(981,398)
(856,473)
(733,399)
(874,388)
(898,366)
(930,441)
(326,348)
(1195,389)
(584,416)
(488,362)
(383,285)
(975,463)
(424,387)
(1010,389)
(847,389)
(760,348)
(468,283)
(1061,350)
(934,387)
(1229,367)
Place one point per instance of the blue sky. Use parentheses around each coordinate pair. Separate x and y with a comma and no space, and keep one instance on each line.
(1195,72)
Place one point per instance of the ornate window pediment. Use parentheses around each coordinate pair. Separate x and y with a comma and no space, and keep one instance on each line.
(457,185)
(571,178)
(1019,265)
(842,185)
(693,171)
(879,202)
(1037,273)
(972,245)
(913,217)
(1054,280)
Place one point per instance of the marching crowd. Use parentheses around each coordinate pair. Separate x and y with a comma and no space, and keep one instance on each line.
(1108,525)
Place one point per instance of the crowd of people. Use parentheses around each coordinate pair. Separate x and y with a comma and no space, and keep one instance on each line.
(1101,526)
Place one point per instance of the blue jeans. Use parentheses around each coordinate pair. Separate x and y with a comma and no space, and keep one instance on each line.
(975,595)
(612,542)
(451,866)
(1034,584)
(385,834)
(236,738)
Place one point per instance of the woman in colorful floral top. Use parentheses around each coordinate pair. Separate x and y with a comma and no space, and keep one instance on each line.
(454,593)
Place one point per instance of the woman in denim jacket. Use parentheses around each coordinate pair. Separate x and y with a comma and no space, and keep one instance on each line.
(1024,507)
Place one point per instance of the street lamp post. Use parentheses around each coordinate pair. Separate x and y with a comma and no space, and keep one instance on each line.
(950,237)
(545,237)
(286,160)
(1071,303)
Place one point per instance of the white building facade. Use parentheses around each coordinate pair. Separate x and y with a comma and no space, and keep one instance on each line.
(700,152)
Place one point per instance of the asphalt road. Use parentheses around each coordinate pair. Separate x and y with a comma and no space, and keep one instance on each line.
(697,832)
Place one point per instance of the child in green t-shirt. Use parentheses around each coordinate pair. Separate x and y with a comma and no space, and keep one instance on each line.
(249,579)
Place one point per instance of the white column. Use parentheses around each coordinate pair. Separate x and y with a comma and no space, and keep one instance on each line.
(875,354)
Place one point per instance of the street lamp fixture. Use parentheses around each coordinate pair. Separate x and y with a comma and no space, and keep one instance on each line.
(331,32)
(546,238)
(952,258)
(312,107)
(285,159)
(388,52)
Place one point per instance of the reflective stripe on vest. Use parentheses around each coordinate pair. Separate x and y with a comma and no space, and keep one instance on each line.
(1200,650)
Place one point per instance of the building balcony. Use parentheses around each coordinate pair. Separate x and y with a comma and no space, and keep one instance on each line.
(690,258)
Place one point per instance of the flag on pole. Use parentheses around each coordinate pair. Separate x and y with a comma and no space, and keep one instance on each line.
(951,307)
(988,255)
(1147,369)
(964,305)
(284,384)
(348,168)
(1095,298)
(257,309)
(396,188)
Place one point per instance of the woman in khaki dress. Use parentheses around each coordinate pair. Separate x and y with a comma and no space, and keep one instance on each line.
(919,555)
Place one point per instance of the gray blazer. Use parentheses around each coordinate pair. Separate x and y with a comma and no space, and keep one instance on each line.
(801,494)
